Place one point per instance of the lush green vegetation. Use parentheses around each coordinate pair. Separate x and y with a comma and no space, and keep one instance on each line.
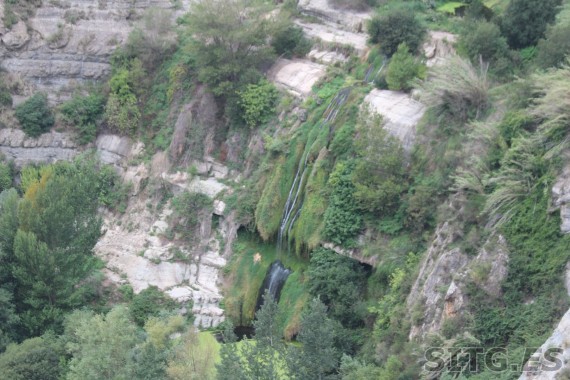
(84,113)
(35,115)
(394,27)
(485,158)
(247,275)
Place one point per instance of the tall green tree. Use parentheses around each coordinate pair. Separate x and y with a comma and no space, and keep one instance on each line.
(379,177)
(265,356)
(9,320)
(525,21)
(316,358)
(229,42)
(38,358)
(101,345)
(230,366)
(259,358)
(394,27)
(52,256)
(9,200)
(338,282)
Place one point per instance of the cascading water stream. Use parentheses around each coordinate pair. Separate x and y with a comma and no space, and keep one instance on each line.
(277,274)
(273,282)
(294,201)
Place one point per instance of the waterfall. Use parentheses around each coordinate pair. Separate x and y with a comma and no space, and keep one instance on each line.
(277,274)
(370,75)
(274,280)
(294,202)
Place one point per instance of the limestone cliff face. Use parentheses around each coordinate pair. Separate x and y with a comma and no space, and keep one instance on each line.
(438,293)
(561,198)
(49,147)
(69,42)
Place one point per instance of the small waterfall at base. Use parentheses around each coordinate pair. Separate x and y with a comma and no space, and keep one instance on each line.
(294,202)
(274,280)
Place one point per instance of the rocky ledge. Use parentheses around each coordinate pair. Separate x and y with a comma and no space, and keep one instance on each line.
(49,147)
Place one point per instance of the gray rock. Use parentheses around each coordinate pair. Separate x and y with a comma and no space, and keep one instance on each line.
(112,148)
(298,76)
(561,199)
(400,111)
(47,148)
(17,37)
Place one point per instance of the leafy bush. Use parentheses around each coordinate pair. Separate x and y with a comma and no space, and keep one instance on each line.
(339,283)
(111,190)
(379,176)
(525,21)
(483,40)
(34,115)
(122,111)
(188,211)
(402,70)
(290,41)
(34,359)
(342,220)
(84,113)
(5,177)
(258,102)
(553,50)
(149,303)
(394,27)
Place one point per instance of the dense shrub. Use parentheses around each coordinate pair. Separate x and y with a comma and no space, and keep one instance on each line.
(379,175)
(84,113)
(257,102)
(34,359)
(402,70)
(188,211)
(342,219)
(525,21)
(339,282)
(34,115)
(394,27)
(553,50)
(483,40)
(122,112)
(5,177)
(290,41)
(229,45)
(149,303)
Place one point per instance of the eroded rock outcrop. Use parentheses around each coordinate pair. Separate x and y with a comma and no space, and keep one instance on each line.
(400,111)
(70,42)
(438,47)
(297,76)
(561,198)
(438,293)
(138,247)
(47,148)
(349,20)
